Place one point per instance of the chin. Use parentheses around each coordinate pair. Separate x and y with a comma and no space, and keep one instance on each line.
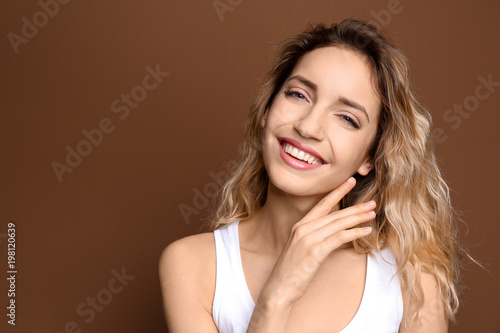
(298,187)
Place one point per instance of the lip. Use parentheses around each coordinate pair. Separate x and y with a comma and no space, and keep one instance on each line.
(302,147)
(296,163)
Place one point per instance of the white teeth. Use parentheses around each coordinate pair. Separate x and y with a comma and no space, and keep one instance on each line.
(301,155)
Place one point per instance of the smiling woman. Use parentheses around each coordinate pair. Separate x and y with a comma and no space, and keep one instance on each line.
(320,109)
(337,217)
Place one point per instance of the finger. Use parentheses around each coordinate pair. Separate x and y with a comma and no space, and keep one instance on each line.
(353,210)
(330,200)
(345,236)
(340,214)
(318,235)
(324,247)
(314,225)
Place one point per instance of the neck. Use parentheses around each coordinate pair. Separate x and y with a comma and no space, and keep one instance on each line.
(273,222)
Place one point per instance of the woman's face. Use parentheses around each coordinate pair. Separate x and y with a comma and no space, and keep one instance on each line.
(326,113)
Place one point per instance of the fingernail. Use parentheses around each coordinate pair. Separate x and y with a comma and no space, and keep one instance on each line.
(349,181)
(367,229)
(370,203)
(370,213)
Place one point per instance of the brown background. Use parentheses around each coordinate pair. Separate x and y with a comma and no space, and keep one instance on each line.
(120,207)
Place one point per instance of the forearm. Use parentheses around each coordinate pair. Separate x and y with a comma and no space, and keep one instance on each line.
(269,316)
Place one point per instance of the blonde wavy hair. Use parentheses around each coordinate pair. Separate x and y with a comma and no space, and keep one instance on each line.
(415,218)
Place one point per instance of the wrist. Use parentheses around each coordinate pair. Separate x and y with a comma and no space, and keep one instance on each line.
(269,315)
(275,299)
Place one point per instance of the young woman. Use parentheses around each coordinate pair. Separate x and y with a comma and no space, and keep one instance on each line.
(337,218)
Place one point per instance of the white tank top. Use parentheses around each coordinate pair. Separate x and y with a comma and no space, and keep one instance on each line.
(381,307)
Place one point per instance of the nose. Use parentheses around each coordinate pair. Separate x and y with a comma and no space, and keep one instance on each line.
(310,125)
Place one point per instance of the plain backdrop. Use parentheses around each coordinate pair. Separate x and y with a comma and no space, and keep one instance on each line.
(145,181)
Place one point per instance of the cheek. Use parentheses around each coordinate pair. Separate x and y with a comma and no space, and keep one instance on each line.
(282,111)
(348,149)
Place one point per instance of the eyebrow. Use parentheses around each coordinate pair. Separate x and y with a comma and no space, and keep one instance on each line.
(353,104)
(305,81)
(341,99)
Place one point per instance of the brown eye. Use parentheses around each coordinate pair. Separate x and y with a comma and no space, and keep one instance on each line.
(295,94)
(351,121)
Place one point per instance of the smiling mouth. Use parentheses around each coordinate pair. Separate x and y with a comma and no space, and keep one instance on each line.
(299,154)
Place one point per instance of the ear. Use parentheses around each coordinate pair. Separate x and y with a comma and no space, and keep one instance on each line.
(264,119)
(366,167)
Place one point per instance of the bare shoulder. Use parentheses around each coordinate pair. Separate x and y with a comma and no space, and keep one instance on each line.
(197,248)
(190,259)
(187,278)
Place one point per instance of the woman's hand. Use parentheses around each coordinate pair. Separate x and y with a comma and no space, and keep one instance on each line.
(312,239)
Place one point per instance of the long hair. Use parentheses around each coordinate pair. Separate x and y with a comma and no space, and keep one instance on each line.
(415,218)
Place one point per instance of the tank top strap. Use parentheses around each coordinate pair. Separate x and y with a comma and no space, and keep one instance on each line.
(233,305)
